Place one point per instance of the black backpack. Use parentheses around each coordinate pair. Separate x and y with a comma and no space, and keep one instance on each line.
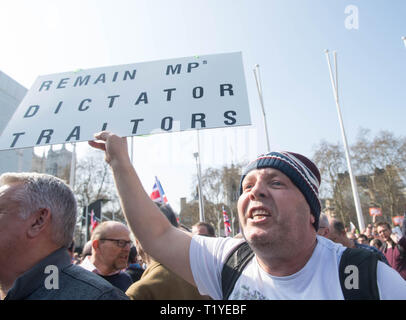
(366,262)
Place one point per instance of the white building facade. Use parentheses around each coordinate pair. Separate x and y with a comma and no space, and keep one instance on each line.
(11,94)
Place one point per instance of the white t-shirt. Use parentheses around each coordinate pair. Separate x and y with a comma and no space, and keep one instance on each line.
(317,280)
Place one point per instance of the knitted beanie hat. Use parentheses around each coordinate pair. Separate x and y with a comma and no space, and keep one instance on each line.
(300,170)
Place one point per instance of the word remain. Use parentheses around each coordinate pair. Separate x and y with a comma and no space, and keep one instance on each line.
(84,80)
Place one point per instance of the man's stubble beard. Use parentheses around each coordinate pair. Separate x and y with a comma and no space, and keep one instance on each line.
(270,246)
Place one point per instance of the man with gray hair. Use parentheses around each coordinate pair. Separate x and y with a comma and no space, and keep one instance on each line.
(324,228)
(37,221)
(337,234)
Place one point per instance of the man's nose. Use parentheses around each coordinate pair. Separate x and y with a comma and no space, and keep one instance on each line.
(258,191)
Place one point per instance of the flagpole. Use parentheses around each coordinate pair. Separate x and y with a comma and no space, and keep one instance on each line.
(219,223)
(199,174)
(73,167)
(132,149)
(224,222)
(261,100)
(232,221)
(20,160)
(334,84)
(87,224)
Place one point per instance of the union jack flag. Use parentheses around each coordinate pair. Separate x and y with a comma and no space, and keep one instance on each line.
(227,225)
(93,221)
(158,194)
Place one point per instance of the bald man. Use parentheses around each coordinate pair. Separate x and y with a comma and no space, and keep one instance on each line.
(110,249)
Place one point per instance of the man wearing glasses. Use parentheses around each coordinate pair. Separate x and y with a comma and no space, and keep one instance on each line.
(110,249)
(394,251)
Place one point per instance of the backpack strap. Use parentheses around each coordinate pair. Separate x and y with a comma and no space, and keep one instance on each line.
(358,277)
(233,267)
(357,272)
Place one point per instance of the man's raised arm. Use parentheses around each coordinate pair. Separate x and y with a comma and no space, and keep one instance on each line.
(158,237)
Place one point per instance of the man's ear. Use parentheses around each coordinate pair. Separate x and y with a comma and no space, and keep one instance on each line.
(39,220)
(95,244)
(312,218)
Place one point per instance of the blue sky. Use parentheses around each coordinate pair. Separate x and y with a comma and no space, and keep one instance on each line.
(287,38)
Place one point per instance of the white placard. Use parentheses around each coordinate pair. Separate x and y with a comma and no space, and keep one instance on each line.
(198,92)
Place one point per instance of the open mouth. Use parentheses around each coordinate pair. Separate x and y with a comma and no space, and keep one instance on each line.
(259,214)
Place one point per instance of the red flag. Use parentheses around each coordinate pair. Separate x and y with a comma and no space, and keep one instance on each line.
(93,221)
(227,226)
(158,194)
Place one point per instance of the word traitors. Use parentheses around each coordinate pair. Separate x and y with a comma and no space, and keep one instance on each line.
(168,124)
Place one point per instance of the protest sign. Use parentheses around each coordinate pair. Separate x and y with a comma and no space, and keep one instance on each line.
(198,92)
(397,220)
(375,211)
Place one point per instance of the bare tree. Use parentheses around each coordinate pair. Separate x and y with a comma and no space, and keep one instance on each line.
(94,181)
(380,169)
(382,161)
(330,160)
(220,188)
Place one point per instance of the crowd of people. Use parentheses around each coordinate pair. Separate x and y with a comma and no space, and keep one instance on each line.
(287,248)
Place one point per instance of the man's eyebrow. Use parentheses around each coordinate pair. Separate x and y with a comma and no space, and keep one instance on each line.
(274,174)
(270,175)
